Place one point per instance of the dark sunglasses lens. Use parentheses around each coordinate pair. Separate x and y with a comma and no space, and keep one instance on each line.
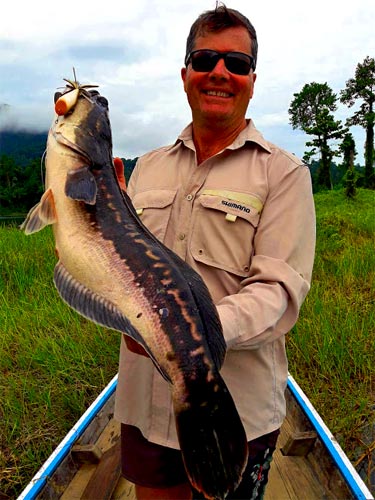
(238,64)
(204,61)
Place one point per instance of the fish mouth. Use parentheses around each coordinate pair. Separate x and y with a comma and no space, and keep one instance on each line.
(61,139)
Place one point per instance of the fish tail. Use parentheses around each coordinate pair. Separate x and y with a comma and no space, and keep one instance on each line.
(213,441)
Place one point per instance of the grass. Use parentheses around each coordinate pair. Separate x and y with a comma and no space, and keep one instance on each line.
(331,349)
(53,363)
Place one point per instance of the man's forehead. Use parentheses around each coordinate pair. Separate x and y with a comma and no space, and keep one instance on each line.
(229,38)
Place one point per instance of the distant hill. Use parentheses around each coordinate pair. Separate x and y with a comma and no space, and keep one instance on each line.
(23,146)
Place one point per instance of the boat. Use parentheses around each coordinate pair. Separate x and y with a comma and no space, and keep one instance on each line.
(307,464)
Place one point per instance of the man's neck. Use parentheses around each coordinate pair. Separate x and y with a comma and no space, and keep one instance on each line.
(209,141)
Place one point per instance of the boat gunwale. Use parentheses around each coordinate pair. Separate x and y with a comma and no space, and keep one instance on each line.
(352,479)
(347,470)
(50,466)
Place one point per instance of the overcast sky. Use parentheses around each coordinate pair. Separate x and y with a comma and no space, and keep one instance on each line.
(134,51)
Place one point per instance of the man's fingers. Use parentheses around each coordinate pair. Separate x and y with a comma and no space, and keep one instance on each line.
(119,167)
(133,346)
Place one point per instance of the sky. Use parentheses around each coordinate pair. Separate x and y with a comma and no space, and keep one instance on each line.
(135,50)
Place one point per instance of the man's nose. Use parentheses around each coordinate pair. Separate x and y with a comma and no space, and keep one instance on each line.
(220,70)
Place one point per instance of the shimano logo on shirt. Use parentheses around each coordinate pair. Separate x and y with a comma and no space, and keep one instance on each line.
(235,205)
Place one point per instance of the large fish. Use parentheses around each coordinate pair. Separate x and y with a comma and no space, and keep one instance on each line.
(112,270)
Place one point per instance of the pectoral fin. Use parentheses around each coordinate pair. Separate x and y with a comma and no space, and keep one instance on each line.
(97,309)
(81,186)
(41,215)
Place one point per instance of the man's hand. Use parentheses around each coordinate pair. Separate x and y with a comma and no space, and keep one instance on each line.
(133,346)
(119,167)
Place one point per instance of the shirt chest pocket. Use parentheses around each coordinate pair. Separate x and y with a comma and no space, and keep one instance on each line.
(154,209)
(223,233)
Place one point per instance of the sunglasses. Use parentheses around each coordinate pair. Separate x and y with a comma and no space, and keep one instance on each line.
(205,60)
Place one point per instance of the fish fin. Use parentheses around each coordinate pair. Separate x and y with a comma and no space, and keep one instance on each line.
(81,186)
(97,309)
(212,439)
(41,215)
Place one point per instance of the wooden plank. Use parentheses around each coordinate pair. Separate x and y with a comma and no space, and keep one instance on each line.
(106,475)
(77,485)
(109,436)
(86,453)
(275,488)
(299,444)
(105,441)
(125,490)
(298,479)
(96,427)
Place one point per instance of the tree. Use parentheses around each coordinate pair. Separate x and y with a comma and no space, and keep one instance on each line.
(20,188)
(362,86)
(11,189)
(128,167)
(348,150)
(33,183)
(311,111)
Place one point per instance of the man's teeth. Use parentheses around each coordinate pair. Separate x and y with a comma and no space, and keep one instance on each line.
(216,93)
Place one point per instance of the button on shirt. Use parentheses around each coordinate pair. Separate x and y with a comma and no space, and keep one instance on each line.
(245,220)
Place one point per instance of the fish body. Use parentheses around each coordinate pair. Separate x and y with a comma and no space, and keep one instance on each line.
(112,270)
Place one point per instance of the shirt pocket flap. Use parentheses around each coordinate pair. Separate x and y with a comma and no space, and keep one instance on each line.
(160,198)
(154,209)
(231,209)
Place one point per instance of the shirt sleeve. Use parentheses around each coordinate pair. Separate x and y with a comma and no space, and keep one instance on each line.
(130,189)
(268,302)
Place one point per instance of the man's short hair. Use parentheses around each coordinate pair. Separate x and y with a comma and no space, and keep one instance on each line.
(217,20)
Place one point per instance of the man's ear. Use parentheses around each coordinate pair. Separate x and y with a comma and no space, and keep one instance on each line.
(183,75)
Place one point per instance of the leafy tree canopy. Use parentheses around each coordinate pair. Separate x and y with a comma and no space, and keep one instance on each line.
(362,87)
(311,111)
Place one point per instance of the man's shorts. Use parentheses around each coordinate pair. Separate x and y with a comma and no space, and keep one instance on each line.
(154,466)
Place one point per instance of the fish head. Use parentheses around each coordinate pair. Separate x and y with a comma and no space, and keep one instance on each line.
(85,128)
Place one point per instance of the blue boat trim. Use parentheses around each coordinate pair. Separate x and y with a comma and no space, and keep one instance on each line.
(352,478)
(46,471)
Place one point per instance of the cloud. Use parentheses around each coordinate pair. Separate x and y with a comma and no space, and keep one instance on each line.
(135,52)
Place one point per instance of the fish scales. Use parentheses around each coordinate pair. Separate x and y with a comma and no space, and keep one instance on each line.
(112,270)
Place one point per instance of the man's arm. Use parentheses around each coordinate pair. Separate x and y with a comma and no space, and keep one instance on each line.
(268,303)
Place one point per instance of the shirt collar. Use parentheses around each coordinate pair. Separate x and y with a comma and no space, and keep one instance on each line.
(248,134)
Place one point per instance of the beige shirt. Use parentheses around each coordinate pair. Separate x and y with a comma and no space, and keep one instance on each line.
(245,220)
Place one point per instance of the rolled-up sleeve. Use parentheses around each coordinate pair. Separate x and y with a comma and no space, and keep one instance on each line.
(268,302)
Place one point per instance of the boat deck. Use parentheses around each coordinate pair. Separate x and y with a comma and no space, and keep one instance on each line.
(300,469)
(291,477)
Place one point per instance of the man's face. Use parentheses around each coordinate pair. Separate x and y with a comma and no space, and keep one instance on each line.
(220,97)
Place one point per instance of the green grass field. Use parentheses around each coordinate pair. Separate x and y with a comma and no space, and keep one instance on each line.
(53,363)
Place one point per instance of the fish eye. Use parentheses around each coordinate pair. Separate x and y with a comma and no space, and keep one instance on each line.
(103,101)
(57,96)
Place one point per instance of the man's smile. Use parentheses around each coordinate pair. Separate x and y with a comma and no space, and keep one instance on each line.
(217,93)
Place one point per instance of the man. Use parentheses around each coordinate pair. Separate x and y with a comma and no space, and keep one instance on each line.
(240,211)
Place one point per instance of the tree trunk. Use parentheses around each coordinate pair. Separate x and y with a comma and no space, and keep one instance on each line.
(324,173)
(350,177)
(369,156)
